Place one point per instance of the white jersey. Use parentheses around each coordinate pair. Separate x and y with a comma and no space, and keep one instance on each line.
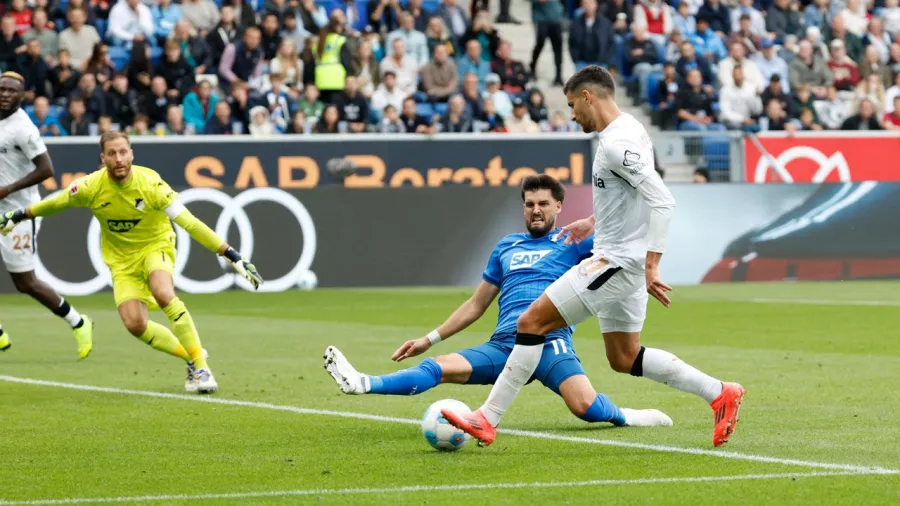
(20,142)
(622,216)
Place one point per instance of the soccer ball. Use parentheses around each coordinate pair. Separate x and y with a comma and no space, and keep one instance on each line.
(308,281)
(438,431)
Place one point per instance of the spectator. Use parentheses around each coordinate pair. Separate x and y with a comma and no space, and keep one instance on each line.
(816,14)
(414,40)
(775,91)
(489,120)
(521,122)
(483,31)
(739,104)
(47,124)
(700,176)
(810,69)
(756,19)
(22,16)
(803,99)
(789,49)
(276,101)
(894,61)
(293,30)
(547,16)
(864,119)
(877,38)
(559,124)
(591,40)
(279,8)
(717,16)
(784,19)
(91,11)
(890,94)
(891,16)
(383,15)
(500,99)
(225,33)
(769,64)
(298,124)
(690,61)
(892,119)
(220,123)
(260,124)
(536,108)
(271,36)
(694,105)
(420,16)
(744,35)
(64,76)
(683,21)
(656,16)
(872,90)
(155,103)
(854,15)
(872,65)
(313,17)
(242,60)
(412,122)
(165,14)
(130,20)
(75,122)
(735,59)
(365,68)
(391,122)
(456,121)
(200,105)
(194,49)
(673,47)
(775,119)
(328,123)
(176,70)
(388,92)
(287,63)
(35,71)
(471,63)
(121,102)
(707,42)
(440,78)
(641,57)
(851,42)
(203,15)
(175,124)
(819,47)
(100,65)
(436,34)
(808,120)
(832,111)
(454,18)
(620,14)
(11,44)
(471,95)
(513,74)
(310,104)
(667,90)
(139,70)
(141,126)
(48,37)
(239,100)
(844,71)
(353,106)
(104,124)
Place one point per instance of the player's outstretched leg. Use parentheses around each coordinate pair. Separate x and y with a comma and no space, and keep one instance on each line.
(136,319)
(82,326)
(410,381)
(585,403)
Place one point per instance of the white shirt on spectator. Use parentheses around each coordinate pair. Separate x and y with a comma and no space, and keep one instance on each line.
(125,23)
(855,23)
(383,98)
(416,45)
(757,21)
(502,103)
(738,104)
(407,72)
(889,95)
(752,77)
(526,125)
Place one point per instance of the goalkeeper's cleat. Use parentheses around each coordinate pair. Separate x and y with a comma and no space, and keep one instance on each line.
(84,337)
(348,379)
(189,385)
(645,418)
(205,382)
(474,424)
(726,408)
(4,341)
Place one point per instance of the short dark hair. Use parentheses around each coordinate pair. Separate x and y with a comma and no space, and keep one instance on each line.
(544,182)
(591,75)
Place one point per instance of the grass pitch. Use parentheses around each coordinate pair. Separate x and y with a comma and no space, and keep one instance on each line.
(819,424)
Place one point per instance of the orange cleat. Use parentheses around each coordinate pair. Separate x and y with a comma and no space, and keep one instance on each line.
(726,408)
(474,424)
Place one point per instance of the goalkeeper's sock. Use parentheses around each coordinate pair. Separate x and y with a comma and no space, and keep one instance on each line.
(160,338)
(663,367)
(603,410)
(68,313)
(412,381)
(184,329)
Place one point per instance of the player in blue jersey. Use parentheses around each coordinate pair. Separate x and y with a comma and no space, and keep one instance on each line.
(520,268)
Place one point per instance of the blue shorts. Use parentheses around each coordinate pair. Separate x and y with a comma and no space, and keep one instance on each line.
(558,363)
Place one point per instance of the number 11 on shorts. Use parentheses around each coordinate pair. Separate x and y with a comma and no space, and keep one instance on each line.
(559,344)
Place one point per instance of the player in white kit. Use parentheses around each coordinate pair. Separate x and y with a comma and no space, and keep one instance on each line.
(25,163)
(630,223)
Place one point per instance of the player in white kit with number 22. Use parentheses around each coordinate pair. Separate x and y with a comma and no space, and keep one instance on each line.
(630,223)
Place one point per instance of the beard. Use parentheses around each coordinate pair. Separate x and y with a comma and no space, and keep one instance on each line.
(541,230)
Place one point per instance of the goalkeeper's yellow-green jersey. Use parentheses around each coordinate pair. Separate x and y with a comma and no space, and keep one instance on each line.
(132,216)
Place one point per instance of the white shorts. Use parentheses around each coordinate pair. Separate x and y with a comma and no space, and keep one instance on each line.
(19,248)
(597,287)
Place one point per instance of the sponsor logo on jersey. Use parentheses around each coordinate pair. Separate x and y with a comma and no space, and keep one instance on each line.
(121,226)
(632,162)
(598,182)
(525,259)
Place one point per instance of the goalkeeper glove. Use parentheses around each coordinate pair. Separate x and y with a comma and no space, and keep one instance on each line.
(244,267)
(10,219)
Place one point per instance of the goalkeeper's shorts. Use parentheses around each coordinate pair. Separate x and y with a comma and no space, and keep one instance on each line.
(133,282)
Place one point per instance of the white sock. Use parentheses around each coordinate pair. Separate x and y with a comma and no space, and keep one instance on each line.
(663,367)
(73,317)
(518,370)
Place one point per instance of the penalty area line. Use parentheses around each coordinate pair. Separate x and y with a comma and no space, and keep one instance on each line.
(427,488)
(523,433)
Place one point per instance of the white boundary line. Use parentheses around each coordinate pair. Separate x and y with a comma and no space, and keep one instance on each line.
(423,488)
(525,433)
(827,302)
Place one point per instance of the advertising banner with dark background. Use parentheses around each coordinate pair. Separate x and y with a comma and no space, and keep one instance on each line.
(293,163)
(443,236)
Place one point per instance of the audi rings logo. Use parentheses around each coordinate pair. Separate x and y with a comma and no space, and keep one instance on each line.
(827,165)
(233,211)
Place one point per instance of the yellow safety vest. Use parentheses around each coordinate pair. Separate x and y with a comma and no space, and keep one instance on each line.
(330,74)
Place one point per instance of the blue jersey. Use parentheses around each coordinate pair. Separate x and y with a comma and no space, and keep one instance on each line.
(523,267)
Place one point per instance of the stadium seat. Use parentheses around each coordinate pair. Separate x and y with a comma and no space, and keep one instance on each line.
(715,150)
(652,97)
(440,108)
(101,28)
(420,97)
(156,54)
(425,110)
(119,56)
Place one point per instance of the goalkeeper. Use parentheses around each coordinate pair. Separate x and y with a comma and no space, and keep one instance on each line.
(134,206)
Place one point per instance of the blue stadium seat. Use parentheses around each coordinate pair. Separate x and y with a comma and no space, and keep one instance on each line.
(156,54)
(440,108)
(60,25)
(652,97)
(425,110)
(715,151)
(119,56)
(101,28)
(420,97)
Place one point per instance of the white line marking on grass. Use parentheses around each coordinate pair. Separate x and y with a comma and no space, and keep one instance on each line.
(524,433)
(827,302)
(425,488)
